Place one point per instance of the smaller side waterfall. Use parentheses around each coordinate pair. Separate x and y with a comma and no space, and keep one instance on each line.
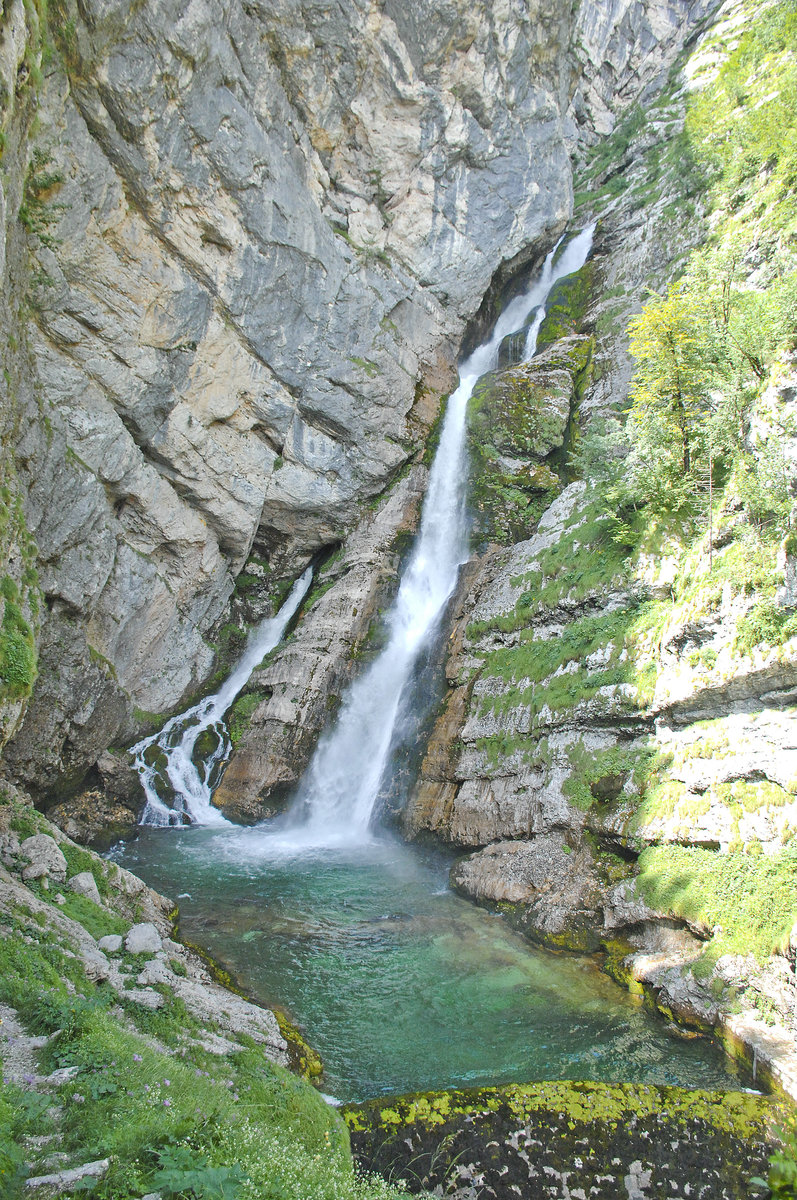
(171,751)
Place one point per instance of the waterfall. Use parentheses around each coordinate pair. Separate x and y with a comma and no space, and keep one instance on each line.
(172,749)
(336,799)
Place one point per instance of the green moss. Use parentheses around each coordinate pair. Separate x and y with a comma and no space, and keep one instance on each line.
(616,951)
(18,660)
(514,422)
(766,624)
(241,713)
(587,1104)
(603,774)
(752,796)
(365,364)
(566,306)
(20,600)
(303,1059)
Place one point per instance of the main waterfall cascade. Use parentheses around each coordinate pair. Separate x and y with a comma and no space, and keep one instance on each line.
(193,783)
(335,802)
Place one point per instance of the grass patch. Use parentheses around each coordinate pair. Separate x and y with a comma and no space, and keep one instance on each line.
(749,900)
(98,921)
(601,775)
(169,1114)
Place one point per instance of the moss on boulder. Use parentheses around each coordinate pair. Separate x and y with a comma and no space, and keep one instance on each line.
(518,423)
(539,1139)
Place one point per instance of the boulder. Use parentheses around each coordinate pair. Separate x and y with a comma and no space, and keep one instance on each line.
(85,885)
(143,939)
(45,859)
(111,943)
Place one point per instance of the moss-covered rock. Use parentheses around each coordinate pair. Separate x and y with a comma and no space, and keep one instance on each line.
(538,1139)
(302,1058)
(566,307)
(518,422)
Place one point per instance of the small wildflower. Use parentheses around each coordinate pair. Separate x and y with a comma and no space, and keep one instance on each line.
(137,1058)
(167,1103)
(167,1083)
(146,1087)
(78,1099)
(29,1079)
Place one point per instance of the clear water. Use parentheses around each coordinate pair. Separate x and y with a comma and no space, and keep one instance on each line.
(400,984)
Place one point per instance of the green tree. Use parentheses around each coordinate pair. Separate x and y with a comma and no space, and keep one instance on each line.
(669,391)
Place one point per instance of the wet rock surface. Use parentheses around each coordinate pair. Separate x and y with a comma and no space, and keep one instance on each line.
(557,1139)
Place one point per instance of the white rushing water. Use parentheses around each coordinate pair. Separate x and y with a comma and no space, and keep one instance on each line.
(340,788)
(174,744)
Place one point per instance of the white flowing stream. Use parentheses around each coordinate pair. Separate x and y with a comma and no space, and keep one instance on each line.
(336,799)
(192,784)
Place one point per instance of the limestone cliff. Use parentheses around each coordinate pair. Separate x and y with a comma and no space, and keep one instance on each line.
(239,250)
(256,240)
(633,56)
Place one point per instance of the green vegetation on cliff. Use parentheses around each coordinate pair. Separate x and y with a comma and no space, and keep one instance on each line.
(699,469)
(665,589)
(747,900)
(20,601)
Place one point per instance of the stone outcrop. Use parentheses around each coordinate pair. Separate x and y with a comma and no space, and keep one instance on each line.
(161,966)
(299,687)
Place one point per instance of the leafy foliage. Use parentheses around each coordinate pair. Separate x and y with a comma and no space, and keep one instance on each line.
(782,1177)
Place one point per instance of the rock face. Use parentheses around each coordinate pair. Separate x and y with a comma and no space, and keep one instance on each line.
(299,687)
(257,265)
(250,240)
(45,860)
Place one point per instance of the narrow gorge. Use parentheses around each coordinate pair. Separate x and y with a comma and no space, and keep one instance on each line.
(457,718)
